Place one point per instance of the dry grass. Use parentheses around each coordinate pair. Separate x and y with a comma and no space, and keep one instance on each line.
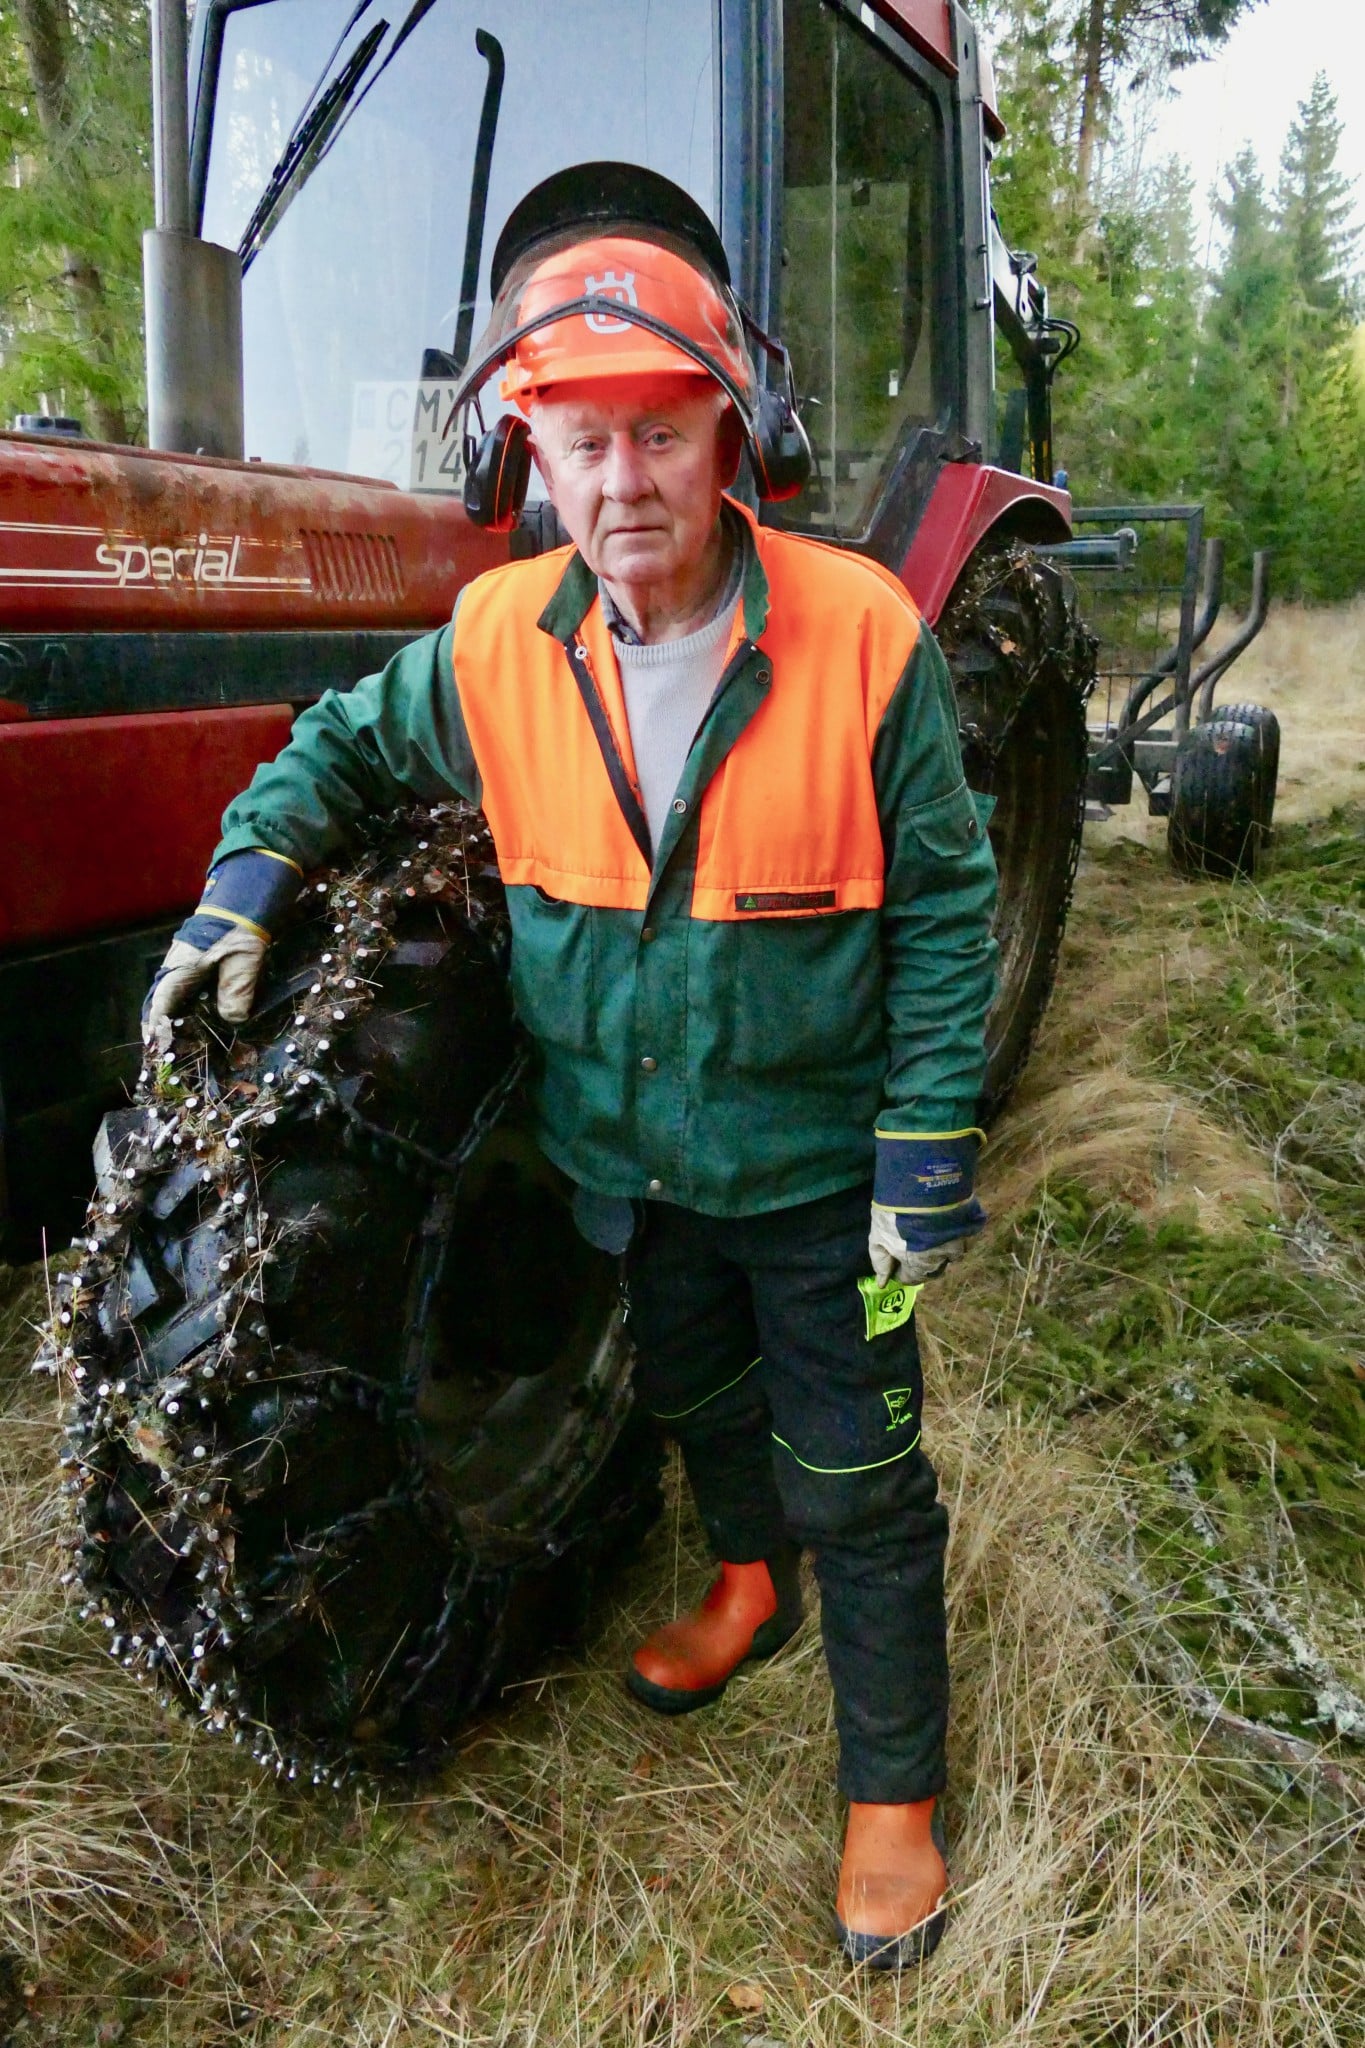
(582,1873)
(1126,1876)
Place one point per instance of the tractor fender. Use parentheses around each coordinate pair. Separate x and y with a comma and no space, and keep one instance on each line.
(971,504)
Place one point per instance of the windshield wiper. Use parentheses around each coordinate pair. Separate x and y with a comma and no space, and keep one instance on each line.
(416,13)
(361,7)
(312,140)
(304,149)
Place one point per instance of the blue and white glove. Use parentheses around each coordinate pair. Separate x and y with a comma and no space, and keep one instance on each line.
(923,1210)
(244,899)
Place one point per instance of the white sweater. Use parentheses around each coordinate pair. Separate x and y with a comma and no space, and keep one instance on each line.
(667,687)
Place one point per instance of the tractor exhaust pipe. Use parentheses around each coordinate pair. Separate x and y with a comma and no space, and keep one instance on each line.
(192,289)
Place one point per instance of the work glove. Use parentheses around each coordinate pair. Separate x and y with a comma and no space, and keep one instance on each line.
(225,941)
(923,1210)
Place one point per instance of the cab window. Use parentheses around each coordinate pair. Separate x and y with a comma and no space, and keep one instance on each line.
(863,217)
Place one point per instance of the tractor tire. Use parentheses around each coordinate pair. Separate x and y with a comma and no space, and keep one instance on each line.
(343,1455)
(1023,667)
(1223,792)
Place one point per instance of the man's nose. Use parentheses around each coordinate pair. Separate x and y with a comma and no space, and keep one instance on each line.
(625,473)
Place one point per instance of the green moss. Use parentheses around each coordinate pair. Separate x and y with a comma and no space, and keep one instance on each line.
(1222,1372)
(1277,1045)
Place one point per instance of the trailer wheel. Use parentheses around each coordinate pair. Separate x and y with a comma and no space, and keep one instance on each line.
(1223,792)
(1023,666)
(343,1456)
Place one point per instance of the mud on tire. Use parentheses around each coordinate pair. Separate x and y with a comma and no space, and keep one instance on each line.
(1023,667)
(342,1454)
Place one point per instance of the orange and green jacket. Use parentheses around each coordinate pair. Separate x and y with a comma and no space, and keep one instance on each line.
(722,1020)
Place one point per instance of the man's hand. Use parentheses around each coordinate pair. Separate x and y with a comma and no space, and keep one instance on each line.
(923,1210)
(224,942)
(890,1253)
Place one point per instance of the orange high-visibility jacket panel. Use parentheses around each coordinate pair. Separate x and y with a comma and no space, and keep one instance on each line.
(790,810)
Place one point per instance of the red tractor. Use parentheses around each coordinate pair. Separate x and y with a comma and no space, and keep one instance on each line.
(320,267)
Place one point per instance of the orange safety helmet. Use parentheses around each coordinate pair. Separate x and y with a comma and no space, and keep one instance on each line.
(653,277)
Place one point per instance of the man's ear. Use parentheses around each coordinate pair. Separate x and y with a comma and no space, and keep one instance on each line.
(730,445)
(542,465)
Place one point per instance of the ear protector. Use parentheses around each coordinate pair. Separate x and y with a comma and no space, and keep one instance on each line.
(780,448)
(497,472)
(498,462)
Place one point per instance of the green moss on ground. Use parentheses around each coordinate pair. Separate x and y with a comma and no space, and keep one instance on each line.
(1278,1046)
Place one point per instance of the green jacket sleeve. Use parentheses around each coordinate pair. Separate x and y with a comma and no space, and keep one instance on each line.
(395,738)
(938,955)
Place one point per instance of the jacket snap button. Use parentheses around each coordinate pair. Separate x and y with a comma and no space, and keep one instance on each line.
(680,804)
(647,935)
(656,1187)
(648,1065)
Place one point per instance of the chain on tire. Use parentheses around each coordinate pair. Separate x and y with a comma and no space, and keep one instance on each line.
(337,1464)
(1023,666)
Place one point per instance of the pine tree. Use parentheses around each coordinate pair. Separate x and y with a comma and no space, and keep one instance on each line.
(1279,404)
(1137,37)
(1314,204)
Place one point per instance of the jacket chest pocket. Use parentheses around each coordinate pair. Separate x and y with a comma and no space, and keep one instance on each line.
(553,977)
(800,993)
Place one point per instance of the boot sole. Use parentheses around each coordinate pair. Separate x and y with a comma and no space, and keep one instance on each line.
(900,1951)
(894,1951)
(670,1700)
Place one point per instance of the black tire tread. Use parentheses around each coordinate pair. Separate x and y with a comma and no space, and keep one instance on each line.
(243,1450)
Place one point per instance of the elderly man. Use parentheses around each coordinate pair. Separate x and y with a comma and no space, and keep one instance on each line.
(750,898)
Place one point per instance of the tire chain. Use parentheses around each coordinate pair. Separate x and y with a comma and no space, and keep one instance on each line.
(1047,597)
(1039,585)
(205,1101)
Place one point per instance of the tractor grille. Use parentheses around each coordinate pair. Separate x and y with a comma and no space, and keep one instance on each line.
(359,566)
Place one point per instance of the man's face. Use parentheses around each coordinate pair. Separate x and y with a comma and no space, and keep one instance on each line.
(636,473)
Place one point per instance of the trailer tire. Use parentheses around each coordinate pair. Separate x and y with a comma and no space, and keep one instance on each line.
(337,1470)
(1023,667)
(1264,721)
(1223,792)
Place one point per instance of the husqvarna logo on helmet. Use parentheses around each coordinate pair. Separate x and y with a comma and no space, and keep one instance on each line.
(610,286)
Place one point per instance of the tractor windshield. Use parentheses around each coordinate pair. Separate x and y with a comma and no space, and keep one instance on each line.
(376,153)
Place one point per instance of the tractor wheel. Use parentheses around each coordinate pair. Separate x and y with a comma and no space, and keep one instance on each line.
(1223,792)
(1023,666)
(342,1456)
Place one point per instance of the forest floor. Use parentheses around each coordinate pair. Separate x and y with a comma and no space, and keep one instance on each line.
(1146,1398)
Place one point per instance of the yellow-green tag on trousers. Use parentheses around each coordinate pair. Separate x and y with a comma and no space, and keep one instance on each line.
(886,1304)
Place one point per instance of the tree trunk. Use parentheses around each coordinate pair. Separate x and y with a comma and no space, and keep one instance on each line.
(85,288)
(1092,88)
(45,31)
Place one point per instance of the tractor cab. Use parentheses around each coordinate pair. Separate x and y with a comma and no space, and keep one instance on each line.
(362,161)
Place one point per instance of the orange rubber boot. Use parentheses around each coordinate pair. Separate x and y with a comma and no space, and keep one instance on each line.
(890,1908)
(749,1613)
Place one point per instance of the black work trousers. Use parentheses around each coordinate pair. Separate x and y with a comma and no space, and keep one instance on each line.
(752,1351)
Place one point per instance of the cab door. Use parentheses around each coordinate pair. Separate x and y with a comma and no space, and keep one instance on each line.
(866,286)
